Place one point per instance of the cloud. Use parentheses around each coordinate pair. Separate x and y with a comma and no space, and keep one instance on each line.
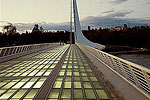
(119,14)
(118,1)
(107,21)
(147,3)
(47,26)
(110,11)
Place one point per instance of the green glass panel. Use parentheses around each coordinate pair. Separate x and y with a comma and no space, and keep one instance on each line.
(76,70)
(64,66)
(1,91)
(102,94)
(2,83)
(38,84)
(90,74)
(77,85)
(7,94)
(8,85)
(54,93)
(89,94)
(87,85)
(96,85)
(83,74)
(69,66)
(82,70)
(25,79)
(89,70)
(67,84)
(68,79)
(15,80)
(49,70)
(76,73)
(19,94)
(66,93)
(18,85)
(76,78)
(61,73)
(85,79)
(78,93)
(69,73)
(59,79)
(28,85)
(57,84)
(42,79)
(86,65)
(46,73)
(93,79)
(31,94)
(75,66)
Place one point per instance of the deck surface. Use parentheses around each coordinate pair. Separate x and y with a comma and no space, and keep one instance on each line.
(26,77)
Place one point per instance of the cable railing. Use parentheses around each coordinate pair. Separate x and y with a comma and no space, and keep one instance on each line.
(137,75)
(7,51)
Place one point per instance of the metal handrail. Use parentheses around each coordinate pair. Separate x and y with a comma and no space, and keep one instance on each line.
(137,75)
(7,51)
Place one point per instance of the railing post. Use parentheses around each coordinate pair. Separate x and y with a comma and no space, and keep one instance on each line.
(147,77)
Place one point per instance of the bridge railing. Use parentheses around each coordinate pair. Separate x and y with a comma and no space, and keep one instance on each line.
(13,50)
(137,75)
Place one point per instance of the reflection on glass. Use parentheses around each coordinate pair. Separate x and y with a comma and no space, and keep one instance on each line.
(67,84)
(87,85)
(66,93)
(76,78)
(7,94)
(9,85)
(54,93)
(28,85)
(77,85)
(85,79)
(31,94)
(102,94)
(57,84)
(78,93)
(18,85)
(89,94)
(96,85)
(19,94)
(38,85)
(93,79)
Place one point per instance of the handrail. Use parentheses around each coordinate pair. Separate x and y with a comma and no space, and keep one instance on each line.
(137,75)
(7,51)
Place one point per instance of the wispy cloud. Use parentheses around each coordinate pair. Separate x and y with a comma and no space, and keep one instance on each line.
(118,1)
(119,14)
(147,2)
(112,20)
(107,21)
(109,11)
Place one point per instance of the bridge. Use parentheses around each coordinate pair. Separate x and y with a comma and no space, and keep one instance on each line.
(80,71)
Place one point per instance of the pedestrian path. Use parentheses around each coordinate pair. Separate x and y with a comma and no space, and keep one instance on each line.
(26,77)
(76,80)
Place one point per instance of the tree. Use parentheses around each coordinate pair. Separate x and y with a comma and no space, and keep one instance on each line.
(9,29)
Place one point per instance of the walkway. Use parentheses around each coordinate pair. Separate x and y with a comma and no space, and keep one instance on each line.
(46,75)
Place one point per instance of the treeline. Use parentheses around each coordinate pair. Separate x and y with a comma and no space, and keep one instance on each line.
(135,37)
(33,38)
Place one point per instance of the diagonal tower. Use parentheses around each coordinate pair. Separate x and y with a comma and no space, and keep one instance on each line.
(79,37)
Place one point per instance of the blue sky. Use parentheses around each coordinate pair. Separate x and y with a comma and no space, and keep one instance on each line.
(55,14)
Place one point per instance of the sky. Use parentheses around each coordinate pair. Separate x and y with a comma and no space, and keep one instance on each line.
(55,14)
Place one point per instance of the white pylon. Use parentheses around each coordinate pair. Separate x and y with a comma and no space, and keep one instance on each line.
(79,37)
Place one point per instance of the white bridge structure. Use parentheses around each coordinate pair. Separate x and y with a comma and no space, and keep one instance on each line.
(132,80)
(79,71)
